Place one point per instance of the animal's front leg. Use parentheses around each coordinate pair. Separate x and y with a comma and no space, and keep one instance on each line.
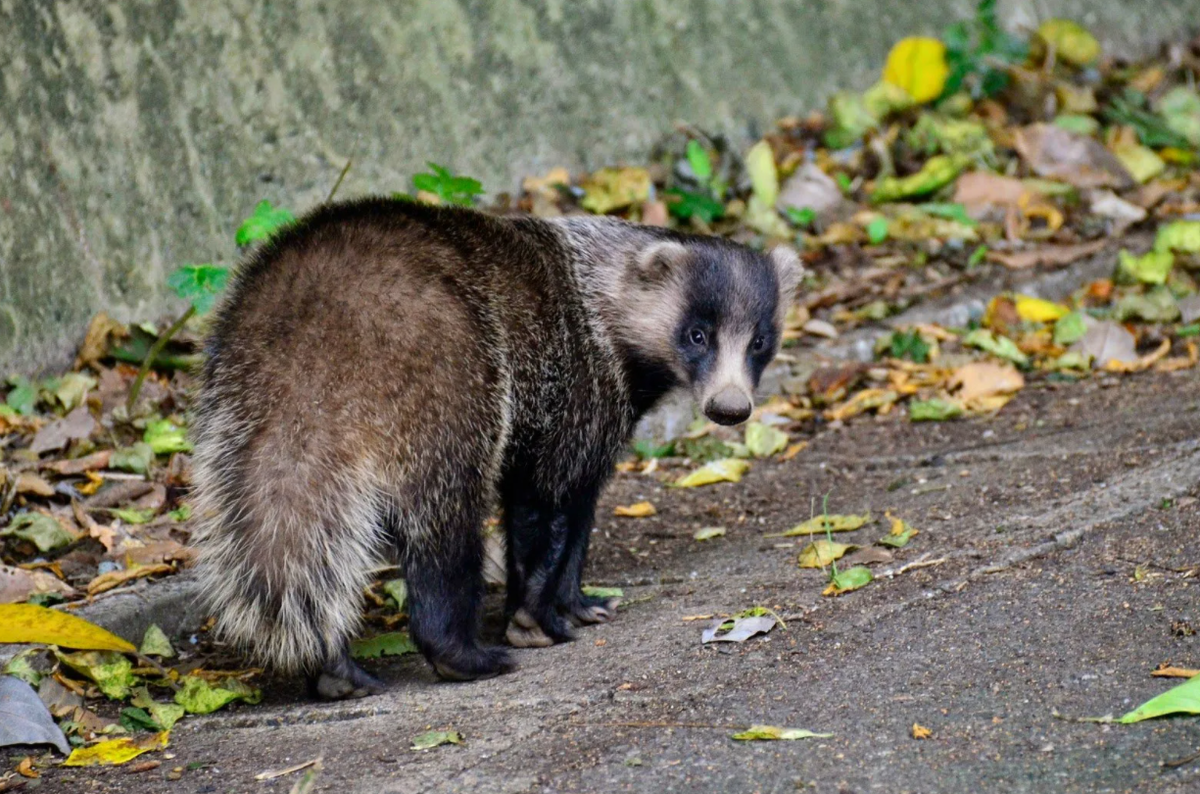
(579,608)
(537,550)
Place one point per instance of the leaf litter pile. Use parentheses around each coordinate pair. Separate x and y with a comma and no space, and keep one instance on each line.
(976,154)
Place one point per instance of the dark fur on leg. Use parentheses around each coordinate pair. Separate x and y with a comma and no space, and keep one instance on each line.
(341,678)
(445,587)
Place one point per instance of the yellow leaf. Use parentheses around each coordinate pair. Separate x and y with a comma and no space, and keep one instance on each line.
(820,553)
(921,732)
(1140,161)
(22,623)
(864,400)
(1037,310)
(819,525)
(107,581)
(639,510)
(1071,41)
(918,65)
(724,470)
(613,188)
(116,751)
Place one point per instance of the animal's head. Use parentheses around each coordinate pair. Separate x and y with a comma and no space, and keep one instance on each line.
(712,312)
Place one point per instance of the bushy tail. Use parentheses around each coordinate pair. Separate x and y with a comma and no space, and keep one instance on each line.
(286,542)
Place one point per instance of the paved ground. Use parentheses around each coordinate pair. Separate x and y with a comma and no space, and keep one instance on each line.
(1042,515)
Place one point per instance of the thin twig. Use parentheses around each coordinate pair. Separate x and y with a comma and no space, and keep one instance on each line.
(338,183)
(155,349)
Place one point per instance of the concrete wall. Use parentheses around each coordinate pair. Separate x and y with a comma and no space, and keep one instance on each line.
(134,134)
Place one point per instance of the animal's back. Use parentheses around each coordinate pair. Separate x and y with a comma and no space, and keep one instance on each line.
(355,386)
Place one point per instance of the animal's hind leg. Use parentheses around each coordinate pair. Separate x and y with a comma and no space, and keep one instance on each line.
(445,586)
(342,678)
(537,538)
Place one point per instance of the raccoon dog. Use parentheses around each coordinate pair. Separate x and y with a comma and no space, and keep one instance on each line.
(383,372)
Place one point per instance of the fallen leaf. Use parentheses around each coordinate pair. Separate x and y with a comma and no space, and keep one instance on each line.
(899,535)
(136,458)
(921,732)
(937,171)
(430,739)
(1106,342)
(100,332)
(1156,305)
(165,437)
(1151,267)
(116,751)
(17,584)
(27,623)
(821,553)
(708,533)
(984,379)
(1175,672)
(739,629)
(1049,255)
(107,581)
(638,510)
(30,483)
(772,733)
(1181,236)
(603,592)
(274,773)
(820,328)
(44,531)
(93,462)
(1081,161)
(24,719)
(200,697)
(1141,162)
(724,470)
(1039,310)
(110,670)
(1071,41)
(997,345)
(25,768)
(1070,328)
(793,450)
(848,580)
(870,555)
(1107,204)
(819,525)
(1183,699)
(78,424)
(934,410)
(810,188)
(982,192)
(156,643)
(393,643)
(862,401)
(397,590)
(763,441)
(918,65)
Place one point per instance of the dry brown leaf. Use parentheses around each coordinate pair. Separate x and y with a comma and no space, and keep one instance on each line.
(1050,255)
(982,192)
(17,585)
(107,581)
(78,424)
(93,462)
(868,555)
(793,450)
(1055,153)
(864,400)
(101,330)
(25,768)
(1143,362)
(985,379)
(1180,362)
(30,483)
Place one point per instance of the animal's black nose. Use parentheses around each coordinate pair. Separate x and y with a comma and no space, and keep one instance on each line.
(728,406)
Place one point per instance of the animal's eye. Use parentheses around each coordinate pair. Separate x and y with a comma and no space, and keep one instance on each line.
(697,337)
(759,344)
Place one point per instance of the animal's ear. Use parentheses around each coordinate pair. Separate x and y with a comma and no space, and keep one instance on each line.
(788,271)
(657,260)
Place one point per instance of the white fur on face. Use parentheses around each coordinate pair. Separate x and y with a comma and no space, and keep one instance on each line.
(732,369)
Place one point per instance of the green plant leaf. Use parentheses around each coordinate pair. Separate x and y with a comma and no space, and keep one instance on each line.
(263,223)
(156,643)
(685,204)
(909,345)
(430,739)
(848,580)
(1070,328)
(763,441)
(708,533)
(165,437)
(603,592)
(199,284)
(1183,699)
(646,449)
(934,410)
(397,590)
(698,159)
(198,696)
(136,458)
(801,217)
(39,529)
(997,345)
(451,189)
(22,396)
(877,230)
(393,643)
(111,670)
(820,553)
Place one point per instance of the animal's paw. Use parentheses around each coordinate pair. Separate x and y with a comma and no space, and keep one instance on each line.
(587,610)
(472,663)
(527,631)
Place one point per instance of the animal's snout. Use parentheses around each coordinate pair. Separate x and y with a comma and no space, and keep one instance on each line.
(729,406)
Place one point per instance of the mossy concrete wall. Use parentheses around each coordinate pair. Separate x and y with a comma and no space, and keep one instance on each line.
(134,134)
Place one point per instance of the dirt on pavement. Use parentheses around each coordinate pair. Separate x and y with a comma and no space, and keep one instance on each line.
(1058,543)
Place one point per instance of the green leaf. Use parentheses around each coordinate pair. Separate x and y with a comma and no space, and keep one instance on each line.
(899,536)
(71,389)
(937,171)
(1157,305)
(134,719)
(430,739)
(155,643)
(165,714)
(977,256)
(848,580)
(646,449)
(393,643)
(136,459)
(934,410)
(199,284)
(181,513)
(1000,346)
(708,533)
(132,515)
(802,217)
(603,592)
(764,178)
(164,437)
(1070,328)
(763,441)
(909,345)
(23,395)
(1184,331)
(198,696)
(263,223)
(397,590)
(21,666)
(950,210)
(39,529)
(698,159)
(111,670)
(686,204)
(1183,699)
(451,189)
(772,733)
(1182,236)
(877,230)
